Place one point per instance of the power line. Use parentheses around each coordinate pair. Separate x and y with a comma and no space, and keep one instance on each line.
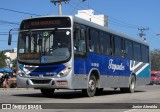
(19,12)
(77,4)
(6,33)
(3,33)
(8,22)
(3,29)
(111,19)
(3,24)
(6,41)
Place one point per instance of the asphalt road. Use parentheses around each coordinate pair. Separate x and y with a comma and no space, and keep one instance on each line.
(75,101)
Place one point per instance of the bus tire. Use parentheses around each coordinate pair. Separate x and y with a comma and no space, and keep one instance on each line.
(91,88)
(47,92)
(131,87)
(132,84)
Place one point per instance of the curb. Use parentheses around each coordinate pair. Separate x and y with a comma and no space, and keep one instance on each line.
(16,88)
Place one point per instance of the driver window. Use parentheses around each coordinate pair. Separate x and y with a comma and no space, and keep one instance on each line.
(79,40)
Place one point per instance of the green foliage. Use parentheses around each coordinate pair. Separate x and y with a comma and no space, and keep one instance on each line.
(14,67)
(155,60)
(2,60)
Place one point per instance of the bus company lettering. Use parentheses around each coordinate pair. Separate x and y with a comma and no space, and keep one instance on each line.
(115,67)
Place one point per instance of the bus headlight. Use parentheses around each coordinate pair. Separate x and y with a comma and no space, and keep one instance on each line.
(21,74)
(64,72)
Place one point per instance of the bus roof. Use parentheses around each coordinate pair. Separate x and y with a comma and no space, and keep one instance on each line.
(97,26)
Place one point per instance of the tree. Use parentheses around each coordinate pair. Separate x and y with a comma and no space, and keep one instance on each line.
(155,60)
(2,59)
(14,67)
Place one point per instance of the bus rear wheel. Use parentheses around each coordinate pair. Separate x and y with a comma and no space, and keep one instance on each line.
(91,89)
(47,92)
(131,87)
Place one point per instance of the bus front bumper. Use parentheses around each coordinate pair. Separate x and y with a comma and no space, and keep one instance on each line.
(39,83)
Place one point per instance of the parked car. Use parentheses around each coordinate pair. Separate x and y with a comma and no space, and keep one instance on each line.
(155,77)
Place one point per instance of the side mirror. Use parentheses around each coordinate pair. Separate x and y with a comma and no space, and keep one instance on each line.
(9,39)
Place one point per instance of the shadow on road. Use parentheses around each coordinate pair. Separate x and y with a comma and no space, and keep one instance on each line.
(72,94)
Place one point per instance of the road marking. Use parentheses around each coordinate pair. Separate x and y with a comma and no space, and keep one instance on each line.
(142,110)
(130,110)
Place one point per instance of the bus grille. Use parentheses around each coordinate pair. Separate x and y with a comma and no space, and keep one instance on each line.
(45,75)
(46,81)
(41,69)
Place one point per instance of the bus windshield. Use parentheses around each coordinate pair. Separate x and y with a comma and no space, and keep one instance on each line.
(44,46)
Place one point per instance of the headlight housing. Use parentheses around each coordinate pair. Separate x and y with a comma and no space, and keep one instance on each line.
(21,73)
(64,72)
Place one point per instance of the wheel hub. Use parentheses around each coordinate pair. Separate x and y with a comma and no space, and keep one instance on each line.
(91,85)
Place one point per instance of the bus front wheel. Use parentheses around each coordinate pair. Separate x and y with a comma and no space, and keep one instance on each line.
(47,92)
(91,89)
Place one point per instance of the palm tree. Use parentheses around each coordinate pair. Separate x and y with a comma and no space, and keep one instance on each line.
(3,59)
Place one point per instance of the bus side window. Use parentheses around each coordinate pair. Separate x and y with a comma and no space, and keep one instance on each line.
(145,54)
(122,48)
(111,50)
(137,52)
(79,40)
(94,41)
(76,37)
(128,49)
(118,46)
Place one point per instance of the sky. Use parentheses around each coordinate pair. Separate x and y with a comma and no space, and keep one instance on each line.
(125,16)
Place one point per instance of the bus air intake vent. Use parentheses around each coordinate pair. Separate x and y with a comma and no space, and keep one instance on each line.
(44,81)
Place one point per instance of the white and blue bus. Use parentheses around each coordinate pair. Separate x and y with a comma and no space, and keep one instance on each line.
(67,52)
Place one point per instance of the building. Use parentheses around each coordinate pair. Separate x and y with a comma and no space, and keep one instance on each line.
(90,16)
(12,55)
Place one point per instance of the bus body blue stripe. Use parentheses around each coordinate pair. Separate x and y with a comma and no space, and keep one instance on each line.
(107,65)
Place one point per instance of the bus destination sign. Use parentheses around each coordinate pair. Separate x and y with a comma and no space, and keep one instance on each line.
(49,22)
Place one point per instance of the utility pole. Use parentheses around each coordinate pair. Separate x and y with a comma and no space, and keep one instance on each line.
(141,34)
(59,5)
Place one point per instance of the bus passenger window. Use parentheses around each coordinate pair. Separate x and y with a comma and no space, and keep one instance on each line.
(79,41)
(111,49)
(94,41)
(128,49)
(118,50)
(104,43)
(137,51)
